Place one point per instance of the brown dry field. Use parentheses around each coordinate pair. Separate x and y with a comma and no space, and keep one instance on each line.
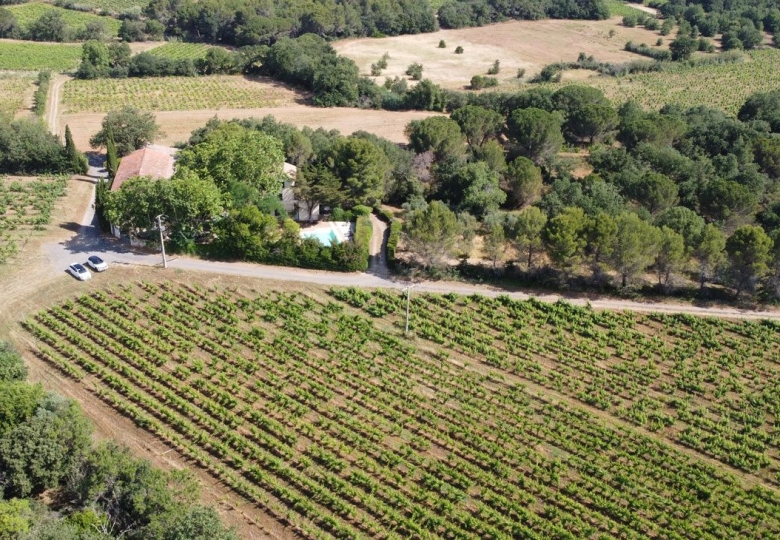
(517,44)
(178,125)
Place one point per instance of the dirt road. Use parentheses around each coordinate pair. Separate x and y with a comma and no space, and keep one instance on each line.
(87,241)
(53,103)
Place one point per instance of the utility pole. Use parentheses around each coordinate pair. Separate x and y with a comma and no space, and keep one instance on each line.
(407,289)
(162,242)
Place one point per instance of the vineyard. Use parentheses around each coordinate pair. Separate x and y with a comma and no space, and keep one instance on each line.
(173,93)
(317,409)
(179,50)
(25,207)
(37,56)
(112,6)
(724,86)
(12,91)
(26,14)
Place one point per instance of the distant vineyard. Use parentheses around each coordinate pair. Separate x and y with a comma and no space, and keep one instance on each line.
(38,56)
(172,94)
(26,14)
(12,93)
(723,86)
(180,50)
(318,410)
(25,207)
(111,6)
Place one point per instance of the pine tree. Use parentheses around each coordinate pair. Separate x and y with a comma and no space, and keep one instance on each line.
(76,159)
(112,159)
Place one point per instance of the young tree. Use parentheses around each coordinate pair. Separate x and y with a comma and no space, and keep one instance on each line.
(592,122)
(112,159)
(601,234)
(431,233)
(564,237)
(709,253)
(683,47)
(525,228)
(132,129)
(535,133)
(656,192)
(363,169)
(671,255)
(494,244)
(317,185)
(749,252)
(78,161)
(523,181)
(438,134)
(478,124)
(636,246)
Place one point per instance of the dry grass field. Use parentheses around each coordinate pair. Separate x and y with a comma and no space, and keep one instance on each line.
(177,125)
(529,45)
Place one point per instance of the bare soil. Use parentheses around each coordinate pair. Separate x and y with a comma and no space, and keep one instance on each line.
(530,45)
(178,125)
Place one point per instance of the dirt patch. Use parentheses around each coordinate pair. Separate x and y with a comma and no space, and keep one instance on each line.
(178,125)
(528,45)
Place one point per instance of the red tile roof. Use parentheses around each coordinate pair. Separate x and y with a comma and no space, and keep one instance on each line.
(143,162)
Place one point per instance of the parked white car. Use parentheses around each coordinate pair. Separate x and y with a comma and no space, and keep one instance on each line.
(97,264)
(78,271)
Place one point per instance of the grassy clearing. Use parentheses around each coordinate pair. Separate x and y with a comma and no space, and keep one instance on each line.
(180,50)
(12,92)
(722,86)
(620,9)
(172,94)
(497,419)
(26,14)
(25,207)
(39,56)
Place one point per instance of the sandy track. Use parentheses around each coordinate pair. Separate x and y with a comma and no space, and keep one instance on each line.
(53,103)
(178,125)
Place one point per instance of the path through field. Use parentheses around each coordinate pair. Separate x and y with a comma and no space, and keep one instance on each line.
(53,103)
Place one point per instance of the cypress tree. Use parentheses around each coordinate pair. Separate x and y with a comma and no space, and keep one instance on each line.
(76,159)
(112,159)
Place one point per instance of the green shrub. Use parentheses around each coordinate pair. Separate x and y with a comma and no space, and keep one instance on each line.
(495,68)
(442,44)
(360,210)
(392,241)
(415,71)
(458,50)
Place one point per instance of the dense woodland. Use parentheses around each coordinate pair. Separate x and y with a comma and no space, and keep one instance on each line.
(92,491)
(687,194)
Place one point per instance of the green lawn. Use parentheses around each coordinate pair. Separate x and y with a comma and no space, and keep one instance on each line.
(38,56)
(26,14)
(620,9)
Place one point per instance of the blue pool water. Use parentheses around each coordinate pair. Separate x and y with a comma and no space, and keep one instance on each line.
(325,237)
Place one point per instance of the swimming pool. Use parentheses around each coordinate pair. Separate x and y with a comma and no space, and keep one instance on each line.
(329,232)
(326,237)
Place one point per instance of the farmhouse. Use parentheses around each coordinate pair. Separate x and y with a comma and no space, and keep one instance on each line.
(152,160)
